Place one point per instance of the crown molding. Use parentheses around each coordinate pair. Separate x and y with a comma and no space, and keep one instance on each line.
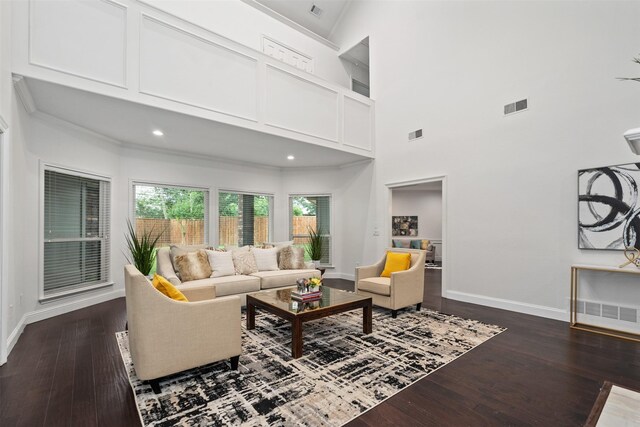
(24,93)
(275,15)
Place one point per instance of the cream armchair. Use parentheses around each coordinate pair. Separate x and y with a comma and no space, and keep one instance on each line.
(168,336)
(402,289)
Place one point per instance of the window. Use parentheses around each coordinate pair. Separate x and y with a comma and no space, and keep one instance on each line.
(311,212)
(76,244)
(180,215)
(244,219)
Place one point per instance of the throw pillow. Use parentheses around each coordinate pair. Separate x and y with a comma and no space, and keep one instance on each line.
(424,245)
(221,263)
(266,259)
(415,244)
(396,261)
(244,262)
(175,250)
(292,258)
(396,243)
(193,266)
(167,288)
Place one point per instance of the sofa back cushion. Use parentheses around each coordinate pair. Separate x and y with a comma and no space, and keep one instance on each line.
(266,259)
(292,258)
(193,266)
(221,263)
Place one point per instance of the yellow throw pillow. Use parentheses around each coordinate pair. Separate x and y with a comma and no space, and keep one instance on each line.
(396,262)
(167,288)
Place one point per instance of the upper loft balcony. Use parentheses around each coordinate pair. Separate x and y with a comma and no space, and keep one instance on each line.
(111,66)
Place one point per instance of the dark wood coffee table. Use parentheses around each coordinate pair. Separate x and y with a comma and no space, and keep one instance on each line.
(333,301)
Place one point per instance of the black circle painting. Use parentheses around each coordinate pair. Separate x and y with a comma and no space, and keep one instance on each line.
(608,207)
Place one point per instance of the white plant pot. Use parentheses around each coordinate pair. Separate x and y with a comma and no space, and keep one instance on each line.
(316,264)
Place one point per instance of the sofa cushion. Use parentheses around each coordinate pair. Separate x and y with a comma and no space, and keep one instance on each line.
(292,258)
(278,279)
(175,250)
(376,285)
(193,265)
(396,261)
(244,262)
(228,285)
(415,244)
(266,259)
(221,263)
(167,288)
(424,244)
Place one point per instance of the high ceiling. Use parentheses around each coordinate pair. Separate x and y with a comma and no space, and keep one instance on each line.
(299,12)
(132,125)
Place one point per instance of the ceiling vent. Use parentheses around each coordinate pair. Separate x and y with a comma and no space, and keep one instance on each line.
(516,107)
(315,11)
(416,134)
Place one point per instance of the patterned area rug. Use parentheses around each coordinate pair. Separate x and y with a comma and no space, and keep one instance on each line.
(342,374)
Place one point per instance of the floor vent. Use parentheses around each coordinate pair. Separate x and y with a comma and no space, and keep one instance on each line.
(516,107)
(609,311)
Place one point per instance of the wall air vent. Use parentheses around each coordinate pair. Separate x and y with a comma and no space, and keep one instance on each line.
(516,107)
(416,134)
(315,11)
(627,314)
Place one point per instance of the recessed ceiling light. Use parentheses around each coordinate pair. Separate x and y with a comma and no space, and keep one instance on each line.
(158,132)
(290,157)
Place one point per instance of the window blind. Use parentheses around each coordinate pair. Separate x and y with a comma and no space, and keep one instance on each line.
(76,231)
(244,218)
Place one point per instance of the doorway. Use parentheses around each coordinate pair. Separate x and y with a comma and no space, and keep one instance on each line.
(417,215)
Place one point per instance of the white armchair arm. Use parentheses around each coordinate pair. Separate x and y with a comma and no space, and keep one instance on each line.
(366,271)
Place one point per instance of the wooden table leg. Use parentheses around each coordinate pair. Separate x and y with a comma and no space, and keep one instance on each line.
(367,318)
(251,315)
(296,338)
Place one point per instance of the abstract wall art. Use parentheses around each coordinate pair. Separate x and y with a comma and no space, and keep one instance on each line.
(608,207)
(404,226)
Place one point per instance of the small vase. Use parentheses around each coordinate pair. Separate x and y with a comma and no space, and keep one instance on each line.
(316,263)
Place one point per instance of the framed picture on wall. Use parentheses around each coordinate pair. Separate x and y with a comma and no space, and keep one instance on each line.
(404,226)
(608,208)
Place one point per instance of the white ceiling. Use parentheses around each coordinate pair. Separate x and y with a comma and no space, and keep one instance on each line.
(298,12)
(132,124)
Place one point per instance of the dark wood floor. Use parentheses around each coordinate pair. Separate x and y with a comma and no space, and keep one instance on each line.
(67,371)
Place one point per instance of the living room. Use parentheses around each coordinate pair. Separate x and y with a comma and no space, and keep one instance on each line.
(85,84)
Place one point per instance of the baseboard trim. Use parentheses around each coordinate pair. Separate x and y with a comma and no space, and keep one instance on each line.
(520,307)
(12,339)
(339,276)
(46,313)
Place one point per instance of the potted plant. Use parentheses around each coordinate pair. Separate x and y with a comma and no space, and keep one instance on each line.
(142,248)
(314,246)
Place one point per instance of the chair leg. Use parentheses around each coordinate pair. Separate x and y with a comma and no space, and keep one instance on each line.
(418,306)
(155,386)
(234,362)
(394,314)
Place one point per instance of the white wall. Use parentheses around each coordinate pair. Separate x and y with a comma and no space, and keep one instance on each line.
(449,67)
(426,204)
(350,189)
(244,24)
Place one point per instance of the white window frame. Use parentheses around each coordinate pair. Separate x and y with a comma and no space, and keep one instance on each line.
(42,297)
(331,221)
(207,205)
(248,193)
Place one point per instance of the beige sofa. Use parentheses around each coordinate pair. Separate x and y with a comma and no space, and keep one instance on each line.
(402,289)
(239,285)
(167,336)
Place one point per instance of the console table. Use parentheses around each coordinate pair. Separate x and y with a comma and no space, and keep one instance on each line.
(575,269)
